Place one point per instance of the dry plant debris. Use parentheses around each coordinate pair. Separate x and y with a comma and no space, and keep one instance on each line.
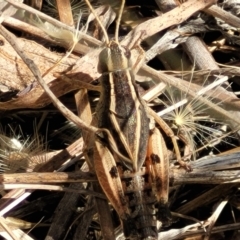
(190,77)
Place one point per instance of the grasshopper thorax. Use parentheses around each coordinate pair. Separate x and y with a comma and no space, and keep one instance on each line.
(114,58)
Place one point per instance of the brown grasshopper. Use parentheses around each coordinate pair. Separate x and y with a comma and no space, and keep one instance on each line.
(130,157)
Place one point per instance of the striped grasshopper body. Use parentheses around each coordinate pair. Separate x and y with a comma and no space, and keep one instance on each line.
(131,165)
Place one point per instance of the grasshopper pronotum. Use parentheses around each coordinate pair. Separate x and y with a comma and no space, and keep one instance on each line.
(132,166)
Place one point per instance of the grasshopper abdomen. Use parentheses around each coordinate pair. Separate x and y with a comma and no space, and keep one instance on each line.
(141,222)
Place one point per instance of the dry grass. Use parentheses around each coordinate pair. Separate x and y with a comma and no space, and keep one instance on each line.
(48,191)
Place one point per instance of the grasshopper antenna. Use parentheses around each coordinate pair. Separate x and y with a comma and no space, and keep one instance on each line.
(118,20)
(98,20)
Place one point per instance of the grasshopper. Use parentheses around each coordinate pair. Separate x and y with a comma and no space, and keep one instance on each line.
(130,157)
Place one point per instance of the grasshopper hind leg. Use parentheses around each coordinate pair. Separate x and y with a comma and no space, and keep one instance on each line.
(157,164)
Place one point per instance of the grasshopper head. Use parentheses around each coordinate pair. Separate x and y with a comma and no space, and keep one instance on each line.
(114,58)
